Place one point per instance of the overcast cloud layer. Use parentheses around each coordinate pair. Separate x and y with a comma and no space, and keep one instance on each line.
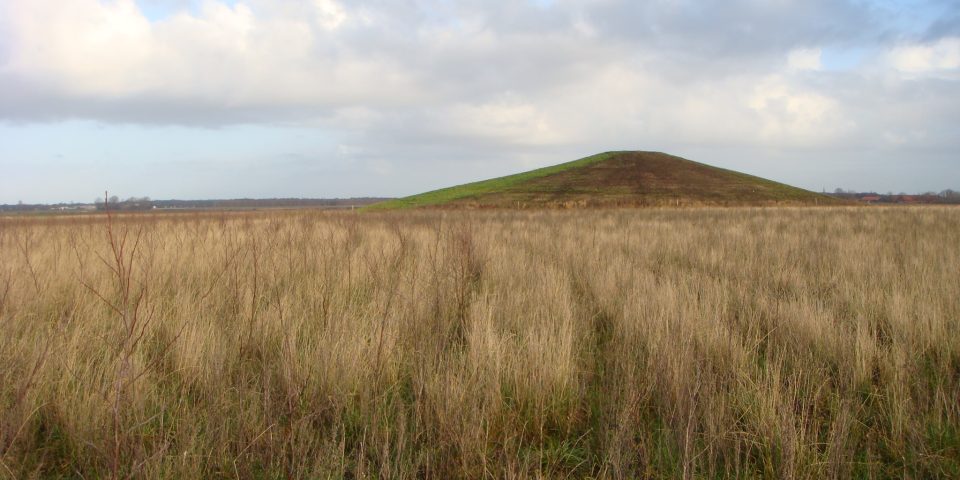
(395,97)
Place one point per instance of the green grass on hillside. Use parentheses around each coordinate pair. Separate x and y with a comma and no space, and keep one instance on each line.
(449,194)
(616,178)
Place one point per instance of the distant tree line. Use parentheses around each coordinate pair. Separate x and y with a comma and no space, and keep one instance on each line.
(268,203)
(132,203)
(114,203)
(45,207)
(948,196)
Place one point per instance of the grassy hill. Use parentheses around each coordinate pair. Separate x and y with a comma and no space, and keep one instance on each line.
(615,179)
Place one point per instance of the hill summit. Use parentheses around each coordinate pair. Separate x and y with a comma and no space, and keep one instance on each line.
(616,179)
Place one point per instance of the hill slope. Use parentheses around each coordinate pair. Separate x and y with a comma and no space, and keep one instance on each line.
(616,179)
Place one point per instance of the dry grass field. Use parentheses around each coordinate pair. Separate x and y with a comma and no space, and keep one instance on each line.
(700,343)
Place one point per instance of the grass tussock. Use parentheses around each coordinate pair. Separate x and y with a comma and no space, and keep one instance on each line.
(777,343)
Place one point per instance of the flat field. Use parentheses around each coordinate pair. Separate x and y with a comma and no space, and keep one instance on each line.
(698,343)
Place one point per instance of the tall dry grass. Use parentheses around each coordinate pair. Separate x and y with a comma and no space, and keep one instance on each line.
(784,343)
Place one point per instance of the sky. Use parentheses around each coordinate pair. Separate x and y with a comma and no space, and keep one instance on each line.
(198,99)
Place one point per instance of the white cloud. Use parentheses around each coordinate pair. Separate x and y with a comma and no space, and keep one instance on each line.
(804,59)
(791,115)
(941,56)
(329,13)
(493,75)
(508,120)
(222,55)
(80,47)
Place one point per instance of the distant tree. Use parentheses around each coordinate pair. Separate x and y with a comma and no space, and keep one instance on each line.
(103,203)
